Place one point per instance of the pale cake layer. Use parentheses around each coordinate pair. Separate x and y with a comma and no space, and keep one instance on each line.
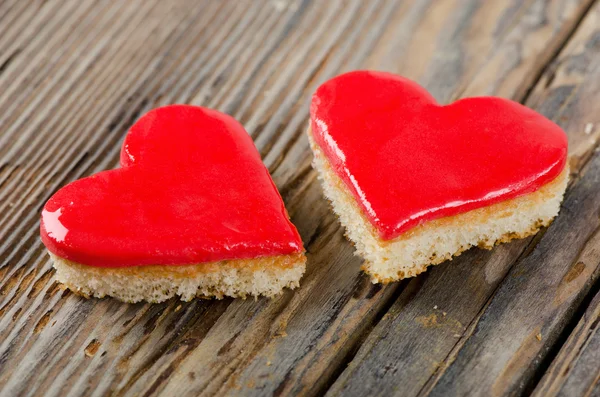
(438,240)
(266,276)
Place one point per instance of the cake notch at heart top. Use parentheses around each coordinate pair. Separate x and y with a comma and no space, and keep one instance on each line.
(406,160)
(191,190)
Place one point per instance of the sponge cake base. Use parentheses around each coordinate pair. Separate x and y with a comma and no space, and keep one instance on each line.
(438,240)
(235,278)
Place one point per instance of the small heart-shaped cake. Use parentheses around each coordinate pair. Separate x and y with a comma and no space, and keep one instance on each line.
(191,212)
(415,183)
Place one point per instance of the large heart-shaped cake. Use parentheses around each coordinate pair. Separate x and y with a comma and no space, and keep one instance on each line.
(192,211)
(415,182)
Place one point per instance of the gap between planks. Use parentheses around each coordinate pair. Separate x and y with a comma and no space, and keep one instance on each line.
(142,107)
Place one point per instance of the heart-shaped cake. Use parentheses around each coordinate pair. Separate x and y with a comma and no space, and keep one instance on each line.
(192,211)
(415,182)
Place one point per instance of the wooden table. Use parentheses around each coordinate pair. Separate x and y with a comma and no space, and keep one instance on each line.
(520,319)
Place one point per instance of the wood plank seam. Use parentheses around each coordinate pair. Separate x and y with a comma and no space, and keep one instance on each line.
(525,252)
(556,51)
(593,147)
(470,328)
(88,165)
(534,379)
(532,241)
(63,181)
(575,363)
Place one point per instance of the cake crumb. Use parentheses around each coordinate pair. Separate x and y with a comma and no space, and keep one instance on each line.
(538,337)
(268,363)
(435,307)
(589,128)
(444,314)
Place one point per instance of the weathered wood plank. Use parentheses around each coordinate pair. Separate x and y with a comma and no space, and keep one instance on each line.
(78,123)
(539,296)
(277,367)
(83,71)
(576,369)
(542,292)
(426,326)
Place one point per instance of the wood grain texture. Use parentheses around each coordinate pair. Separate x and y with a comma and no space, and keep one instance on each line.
(537,299)
(74,75)
(431,324)
(543,291)
(576,369)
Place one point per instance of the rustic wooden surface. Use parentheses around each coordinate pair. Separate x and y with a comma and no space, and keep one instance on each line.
(519,319)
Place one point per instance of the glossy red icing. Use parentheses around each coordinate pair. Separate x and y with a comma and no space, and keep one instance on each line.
(408,160)
(191,189)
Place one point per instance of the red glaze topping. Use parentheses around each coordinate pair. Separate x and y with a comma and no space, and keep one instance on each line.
(191,189)
(408,160)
